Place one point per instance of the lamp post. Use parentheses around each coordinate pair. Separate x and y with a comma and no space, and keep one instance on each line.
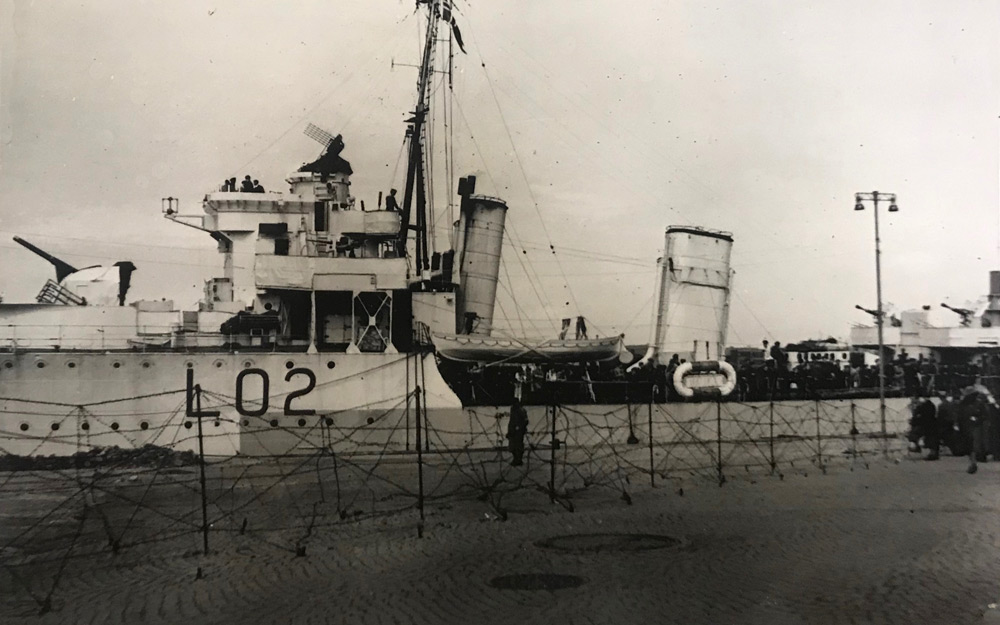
(859,199)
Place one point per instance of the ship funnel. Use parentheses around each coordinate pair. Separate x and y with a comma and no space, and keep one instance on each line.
(693,306)
(63,268)
(480,238)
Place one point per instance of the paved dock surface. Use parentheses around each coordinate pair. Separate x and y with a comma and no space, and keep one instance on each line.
(907,542)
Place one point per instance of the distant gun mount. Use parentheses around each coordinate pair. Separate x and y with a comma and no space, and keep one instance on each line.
(894,321)
(873,313)
(964,313)
(63,268)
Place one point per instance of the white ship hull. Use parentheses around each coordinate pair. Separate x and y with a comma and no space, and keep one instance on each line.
(61,402)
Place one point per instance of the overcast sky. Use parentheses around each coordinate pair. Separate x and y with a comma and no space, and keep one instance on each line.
(600,123)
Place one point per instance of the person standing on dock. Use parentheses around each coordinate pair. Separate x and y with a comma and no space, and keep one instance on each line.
(517,428)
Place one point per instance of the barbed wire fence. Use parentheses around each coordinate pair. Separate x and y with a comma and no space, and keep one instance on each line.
(293,486)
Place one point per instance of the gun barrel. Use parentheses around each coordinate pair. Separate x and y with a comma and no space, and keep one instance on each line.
(63,268)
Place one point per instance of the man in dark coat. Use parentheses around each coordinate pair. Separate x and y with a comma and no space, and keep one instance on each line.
(517,428)
(975,410)
(923,424)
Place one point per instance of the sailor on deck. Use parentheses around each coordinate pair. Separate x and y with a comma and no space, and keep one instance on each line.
(390,201)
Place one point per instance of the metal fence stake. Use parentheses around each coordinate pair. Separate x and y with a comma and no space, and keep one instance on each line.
(652,468)
(718,441)
(420,466)
(770,437)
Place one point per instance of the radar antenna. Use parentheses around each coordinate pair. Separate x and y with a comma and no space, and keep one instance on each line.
(318,135)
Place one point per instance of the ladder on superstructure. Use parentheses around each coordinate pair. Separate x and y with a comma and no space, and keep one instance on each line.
(54,293)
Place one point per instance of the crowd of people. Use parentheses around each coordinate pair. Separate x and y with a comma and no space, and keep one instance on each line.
(966,422)
(247,186)
(775,377)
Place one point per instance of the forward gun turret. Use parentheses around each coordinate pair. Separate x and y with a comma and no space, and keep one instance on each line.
(63,268)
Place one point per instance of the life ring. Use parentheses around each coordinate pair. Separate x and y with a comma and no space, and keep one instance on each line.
(708,366)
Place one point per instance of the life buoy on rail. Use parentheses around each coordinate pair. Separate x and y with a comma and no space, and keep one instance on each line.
(720,367)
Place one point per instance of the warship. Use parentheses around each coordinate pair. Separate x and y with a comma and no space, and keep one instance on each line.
(328,314)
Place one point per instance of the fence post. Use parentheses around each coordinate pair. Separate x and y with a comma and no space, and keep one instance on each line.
(420,466)
(552,459)
(632,439)
(718,440)
(770,437)
(407,402)
(819,442)
(423,379)
(652,468)
(201,469)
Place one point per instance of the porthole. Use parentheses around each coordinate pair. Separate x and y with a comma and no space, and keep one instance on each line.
(55,427)
(218,364)
(246,421)
(24,427)
(369,420)
(187,425)
(144,425)
(274,423)
(189,365)
(71,364)
(302,423)
(289,364)
(217,423)
(84,426)
(116,365)
(247,364)
(40,364)
(329,421)
(8,365)
(145,364)
(114,426)
(330,364)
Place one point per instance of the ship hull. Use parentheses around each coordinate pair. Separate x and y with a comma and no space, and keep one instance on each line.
(56,403)
(362,404)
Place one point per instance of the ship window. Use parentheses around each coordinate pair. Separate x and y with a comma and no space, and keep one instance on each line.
(246,421)
(218,364)
(55,427)
(145,365)
(189,364)
(319,217)
(372,312)
(24,427)
(281,247)
(114,426)
(8,365)
(330,364)
(144,425)
(71,364)
(84,426)
(302,422)
(187,424)
(40,365)
(116,365)
(247,364)
(274,423)
(217,423)
(289,364)
(273,230)
(329,421)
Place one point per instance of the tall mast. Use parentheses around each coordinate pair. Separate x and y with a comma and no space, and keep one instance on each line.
(415,133)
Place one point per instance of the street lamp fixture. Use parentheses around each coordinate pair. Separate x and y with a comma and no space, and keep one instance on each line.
(859,199)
